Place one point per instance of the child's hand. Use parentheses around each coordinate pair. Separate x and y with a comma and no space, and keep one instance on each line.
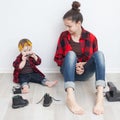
(23,62)
(24,56)
(33,55)
(29,53)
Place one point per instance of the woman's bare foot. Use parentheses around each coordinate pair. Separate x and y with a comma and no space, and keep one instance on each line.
(71,103)
(25,89)
(51,83)
(99,107)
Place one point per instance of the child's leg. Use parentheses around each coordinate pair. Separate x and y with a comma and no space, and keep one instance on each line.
(24,80)
(37,78)
(49,83)
(25,88)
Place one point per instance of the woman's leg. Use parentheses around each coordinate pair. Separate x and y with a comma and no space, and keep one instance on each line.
(68,71)
(100,82)
(96,65)
(99,105)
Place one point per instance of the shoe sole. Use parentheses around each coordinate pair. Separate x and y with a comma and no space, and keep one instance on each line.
(18,106)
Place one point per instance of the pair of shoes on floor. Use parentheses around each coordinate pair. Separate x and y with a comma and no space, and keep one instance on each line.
(17,89)
(18,101)
(47,100)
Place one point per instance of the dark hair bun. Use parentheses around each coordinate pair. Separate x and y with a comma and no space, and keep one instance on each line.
(75,6)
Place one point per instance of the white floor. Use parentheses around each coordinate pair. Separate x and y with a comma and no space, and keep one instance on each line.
(85,94)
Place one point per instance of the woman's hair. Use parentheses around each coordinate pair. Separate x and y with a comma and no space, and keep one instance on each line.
(74,13)
(24,42)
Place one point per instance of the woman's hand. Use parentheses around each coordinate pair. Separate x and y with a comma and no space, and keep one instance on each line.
(80,68)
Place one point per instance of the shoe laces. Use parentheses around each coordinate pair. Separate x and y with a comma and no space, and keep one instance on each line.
(47,97)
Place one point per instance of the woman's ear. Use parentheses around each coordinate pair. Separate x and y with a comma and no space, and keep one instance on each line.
(79,22)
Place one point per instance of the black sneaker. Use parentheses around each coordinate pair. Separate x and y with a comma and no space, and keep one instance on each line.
(17,90)
(47,100)
(18,101)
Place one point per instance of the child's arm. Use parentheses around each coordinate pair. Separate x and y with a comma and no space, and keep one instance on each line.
(36,59)
(23,62)
(34,56)
(17,62)
(20,62)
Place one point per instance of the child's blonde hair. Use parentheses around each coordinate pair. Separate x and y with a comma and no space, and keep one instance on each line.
(24,42)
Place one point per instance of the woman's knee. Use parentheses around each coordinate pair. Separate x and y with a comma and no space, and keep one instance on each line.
(99,54)
(70,58)
(71,54)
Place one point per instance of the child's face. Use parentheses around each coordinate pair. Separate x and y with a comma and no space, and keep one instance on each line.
(27,50)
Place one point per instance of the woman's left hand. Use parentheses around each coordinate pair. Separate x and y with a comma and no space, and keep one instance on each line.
(80,68)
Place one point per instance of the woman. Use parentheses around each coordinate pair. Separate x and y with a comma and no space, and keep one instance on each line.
(78,57)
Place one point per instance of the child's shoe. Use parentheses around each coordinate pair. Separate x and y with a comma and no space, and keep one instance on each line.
(18,101)
(16,90)
(47,100)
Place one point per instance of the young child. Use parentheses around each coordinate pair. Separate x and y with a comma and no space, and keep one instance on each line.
(25,69)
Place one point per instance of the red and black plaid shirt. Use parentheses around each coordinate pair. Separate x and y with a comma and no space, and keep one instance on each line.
(88,45)
(32,62)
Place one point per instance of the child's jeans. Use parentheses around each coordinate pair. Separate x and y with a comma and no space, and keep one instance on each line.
(24,79)
(96,64)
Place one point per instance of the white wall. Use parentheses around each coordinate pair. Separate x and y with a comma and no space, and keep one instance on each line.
(41,22)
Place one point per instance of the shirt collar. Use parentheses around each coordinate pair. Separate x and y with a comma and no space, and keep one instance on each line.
(83,35)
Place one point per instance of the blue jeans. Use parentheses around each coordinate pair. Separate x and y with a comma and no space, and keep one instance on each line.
(96,64)
(31,77)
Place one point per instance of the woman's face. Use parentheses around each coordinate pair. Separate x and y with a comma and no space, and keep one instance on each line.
(72,26)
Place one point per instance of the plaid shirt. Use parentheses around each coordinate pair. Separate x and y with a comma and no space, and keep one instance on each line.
(88,45)
(17,70)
